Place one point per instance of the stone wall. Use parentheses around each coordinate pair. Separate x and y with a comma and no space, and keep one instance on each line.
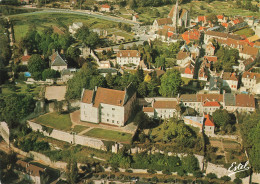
(235,137)
(4,132)
(70,138)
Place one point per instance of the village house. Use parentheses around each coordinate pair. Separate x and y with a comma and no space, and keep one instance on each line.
(210,106)
(222,19)
(188,70)
(205,123)
(105,8)
(162,108)
(192,35)
(124,57)
(57,62)
(32,172)
(251,82)
(67,74)
(159,23)
(135,18)
(213,86)
(209,35)
(203,74)
(196,101)
(239,102)
(210,49)
(25,58)
(245,65)
(183,58)
(229,80)
(107,105)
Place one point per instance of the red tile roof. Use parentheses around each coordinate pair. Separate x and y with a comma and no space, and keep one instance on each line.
(211,58)
(208,121)
(165,104)
(26,58)
(243,100)
(192,34)
(229,76)
(109,96)
(33,170)
(251,75)
(105,6)
(182,55)
(148,109)
(211,104)
(201,18)
(87,96)
(128,53)
(220,16)
(210,97)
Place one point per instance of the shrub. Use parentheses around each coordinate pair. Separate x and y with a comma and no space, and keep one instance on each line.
(211,176)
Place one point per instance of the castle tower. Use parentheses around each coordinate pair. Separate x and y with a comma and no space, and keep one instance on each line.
(175,16)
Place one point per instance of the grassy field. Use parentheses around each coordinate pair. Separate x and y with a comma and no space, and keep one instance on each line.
(79,128)
(55,120)
(21,88)
(245,32)
(109,135)
(23,22)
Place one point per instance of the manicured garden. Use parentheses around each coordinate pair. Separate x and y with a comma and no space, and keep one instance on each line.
(109,135)
(55,120)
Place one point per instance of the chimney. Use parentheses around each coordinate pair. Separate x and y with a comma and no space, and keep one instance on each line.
(25,52)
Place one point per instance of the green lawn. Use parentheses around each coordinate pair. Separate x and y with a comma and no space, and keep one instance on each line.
(55,120)
(245,32)
(186,80)
(41,20)
(79,128)
(21,88)
(109,135)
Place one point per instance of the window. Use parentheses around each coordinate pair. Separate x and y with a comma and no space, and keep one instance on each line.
(113,109)
(107,115)
(113,121)
(107,120)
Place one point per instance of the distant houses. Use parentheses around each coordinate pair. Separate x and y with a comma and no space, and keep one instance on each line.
(126,57)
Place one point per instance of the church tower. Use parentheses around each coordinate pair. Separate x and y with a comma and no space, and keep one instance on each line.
(175,16)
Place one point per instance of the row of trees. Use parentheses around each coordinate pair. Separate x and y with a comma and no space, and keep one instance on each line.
(88,77)
(156,162)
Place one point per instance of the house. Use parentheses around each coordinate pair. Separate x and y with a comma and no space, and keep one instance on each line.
(191,36)
(128,57)
(221,19)
(109,106)
(161,108)
(219,36)
(57,62)
(214,85)
(183,58)
(135,18)
(203,74)
(251,81)
(245,65)
(74,27)
(210,49)
(239,102)
(67,74)
(209,126)
(203,123)
(188,70)
(105,8)
(246,52)
(210,106)
(25,59)
(105,71)
(230,80)
(165,35)
(196,101)
(31,171)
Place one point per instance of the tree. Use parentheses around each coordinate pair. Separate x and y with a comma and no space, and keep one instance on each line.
(211,176)
(221,118)
(213,18)
(50,74)
(90,38)
(72,171)
(8,162)
(190,164)
(140,74)
(160,62)
(36,66)
(237,181)
(225,178)
(142,89)
(170,83)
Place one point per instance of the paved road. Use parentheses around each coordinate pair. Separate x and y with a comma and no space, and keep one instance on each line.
(82,12)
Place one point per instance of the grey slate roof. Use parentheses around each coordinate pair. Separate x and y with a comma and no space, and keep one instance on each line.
(58,61)
(213,84)
(229,99)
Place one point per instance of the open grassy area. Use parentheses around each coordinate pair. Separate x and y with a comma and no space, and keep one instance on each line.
(109,135)
(21,88)
(55,120)
(245,32)
(79,128)
(186,80)
(41,20)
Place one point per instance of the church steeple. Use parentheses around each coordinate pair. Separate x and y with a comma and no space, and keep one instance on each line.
(176,16)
